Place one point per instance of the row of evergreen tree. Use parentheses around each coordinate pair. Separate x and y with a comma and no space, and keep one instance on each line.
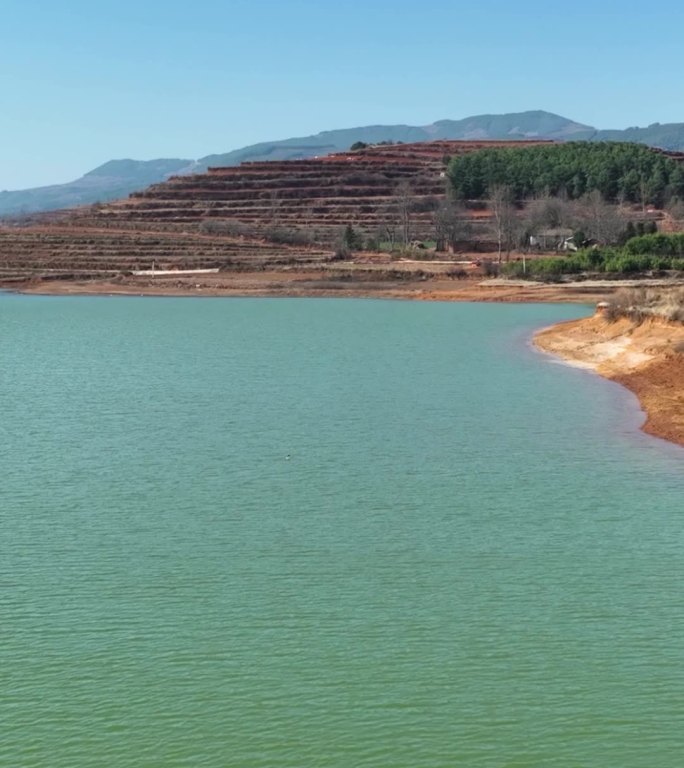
(620,171)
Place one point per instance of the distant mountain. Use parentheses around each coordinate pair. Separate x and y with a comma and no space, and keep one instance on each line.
(668,136)
(116,178)
(523,125)
(119,178)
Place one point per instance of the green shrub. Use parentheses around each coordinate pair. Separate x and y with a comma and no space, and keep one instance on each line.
(658,244)
(515,269)
(626,264)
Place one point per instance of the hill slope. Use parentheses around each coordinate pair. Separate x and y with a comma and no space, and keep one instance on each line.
(119,178)
(302,200)
(114,179)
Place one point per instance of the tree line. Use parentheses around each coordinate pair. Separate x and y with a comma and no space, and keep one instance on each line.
(511,225)
(619,171)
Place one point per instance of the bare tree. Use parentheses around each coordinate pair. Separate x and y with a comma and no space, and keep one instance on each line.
(404,206)
(547,212)
(505,223)
(600,220)
(274,207)
(451,225)
(547,216)
(388,234)
(675,210)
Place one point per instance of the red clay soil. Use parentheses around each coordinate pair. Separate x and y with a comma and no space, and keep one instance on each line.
(312,282)
(646,357)
(660,389)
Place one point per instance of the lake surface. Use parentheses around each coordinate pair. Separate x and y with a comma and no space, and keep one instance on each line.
(328,533)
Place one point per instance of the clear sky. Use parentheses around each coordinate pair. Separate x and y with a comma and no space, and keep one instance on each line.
(85,81)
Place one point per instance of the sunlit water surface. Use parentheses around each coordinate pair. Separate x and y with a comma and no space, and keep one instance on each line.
(328,533)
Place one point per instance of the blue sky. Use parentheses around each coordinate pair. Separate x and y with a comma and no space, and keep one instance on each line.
(84,82)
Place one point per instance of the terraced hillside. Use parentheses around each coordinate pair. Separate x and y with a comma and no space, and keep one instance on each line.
(285,215)
(309,199)
(68,252)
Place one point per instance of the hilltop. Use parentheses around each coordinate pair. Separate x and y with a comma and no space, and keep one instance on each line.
(119,178)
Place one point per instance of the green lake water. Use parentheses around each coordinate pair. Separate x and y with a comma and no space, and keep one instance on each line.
(332,533)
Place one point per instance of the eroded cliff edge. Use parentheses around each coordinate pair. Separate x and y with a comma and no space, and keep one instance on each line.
(644,355)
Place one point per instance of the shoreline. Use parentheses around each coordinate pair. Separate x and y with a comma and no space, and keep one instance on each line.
(319,284)
(647,358)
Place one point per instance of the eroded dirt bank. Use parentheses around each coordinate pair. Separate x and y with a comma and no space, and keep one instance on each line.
(647,358)
(319,283)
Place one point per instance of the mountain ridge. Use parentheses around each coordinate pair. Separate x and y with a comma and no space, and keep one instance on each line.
(118,178)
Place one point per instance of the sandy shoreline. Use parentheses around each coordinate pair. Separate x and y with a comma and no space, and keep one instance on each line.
(647,358)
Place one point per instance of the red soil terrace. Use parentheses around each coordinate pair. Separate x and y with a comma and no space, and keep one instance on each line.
(228,218)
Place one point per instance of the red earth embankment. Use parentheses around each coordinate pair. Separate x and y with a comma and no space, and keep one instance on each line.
(646,357)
